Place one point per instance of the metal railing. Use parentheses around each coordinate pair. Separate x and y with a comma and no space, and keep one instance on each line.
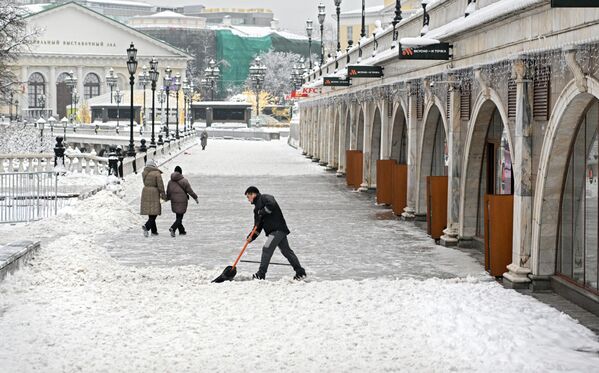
(29,196)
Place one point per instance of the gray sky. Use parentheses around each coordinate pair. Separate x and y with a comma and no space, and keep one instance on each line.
(292,13)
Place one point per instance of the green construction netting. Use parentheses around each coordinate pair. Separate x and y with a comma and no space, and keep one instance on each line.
(240,51)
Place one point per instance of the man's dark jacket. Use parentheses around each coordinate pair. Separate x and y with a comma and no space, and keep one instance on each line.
(268,215)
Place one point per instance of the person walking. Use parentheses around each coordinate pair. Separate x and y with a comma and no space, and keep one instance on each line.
(151,194)
(204,139)
(269,217)
(178,192)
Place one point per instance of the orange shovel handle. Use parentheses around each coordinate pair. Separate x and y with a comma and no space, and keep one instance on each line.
(245,246)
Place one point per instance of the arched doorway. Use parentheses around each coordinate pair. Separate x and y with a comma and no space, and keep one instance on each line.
(433,173)
(63,95)
(36,92)
(399,155)
(354,157)
(577,243)
(487,208)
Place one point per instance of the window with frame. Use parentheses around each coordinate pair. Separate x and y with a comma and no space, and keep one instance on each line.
(36,88)
(91,86)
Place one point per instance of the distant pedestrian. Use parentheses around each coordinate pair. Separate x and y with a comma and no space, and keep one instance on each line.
(178,192)
(268,216)
(151,194)
(204,139)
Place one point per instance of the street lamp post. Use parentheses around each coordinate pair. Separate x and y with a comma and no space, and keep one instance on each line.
(211,76)
(177,87)
(167,80)
(309,30)
(71,83)
(76,98)
(111,80)
(153,78)
(321,17)
(185,100)
(42,102)
(144,79)
(396,21)
(363,30)
(338,9)
(118,97)
(257,73)
(132,67)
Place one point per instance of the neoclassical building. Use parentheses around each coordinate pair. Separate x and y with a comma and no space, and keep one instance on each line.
(496,147)
(76,39)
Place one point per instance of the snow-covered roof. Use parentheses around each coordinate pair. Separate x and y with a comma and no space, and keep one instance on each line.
(121,2)
(221,103)
(372,9)
(168,14)
(35,8)
(256,31)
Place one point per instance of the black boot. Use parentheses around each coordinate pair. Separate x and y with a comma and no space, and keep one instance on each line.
(299,274)
(259,276)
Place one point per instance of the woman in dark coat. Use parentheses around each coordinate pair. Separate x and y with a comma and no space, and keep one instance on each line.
(150,196)
(178,192)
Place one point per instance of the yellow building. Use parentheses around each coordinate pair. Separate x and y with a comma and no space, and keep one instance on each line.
(351,21)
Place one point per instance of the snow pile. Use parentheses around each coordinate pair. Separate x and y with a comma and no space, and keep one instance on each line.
(20,139)
(75,307)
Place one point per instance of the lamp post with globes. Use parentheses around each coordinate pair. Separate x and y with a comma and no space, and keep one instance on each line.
(257,73)
(321,17)
(153,75)
(185,101)
(396,21)
(118,97)
(111,80)
(309,30)
(338,9)
(167,80)
(212,74)
(132,67)
(71,82)
(177,87)
(144,79)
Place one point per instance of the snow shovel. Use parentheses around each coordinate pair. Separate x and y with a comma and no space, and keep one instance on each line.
(230,271)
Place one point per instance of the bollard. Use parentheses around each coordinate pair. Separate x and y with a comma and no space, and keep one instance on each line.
(144,150)
(59,153)
(113,162)
(160,142)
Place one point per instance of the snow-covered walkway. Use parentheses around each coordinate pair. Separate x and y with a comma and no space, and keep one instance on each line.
(101,297)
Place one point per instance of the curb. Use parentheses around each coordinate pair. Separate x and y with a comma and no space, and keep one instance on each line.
(15,255)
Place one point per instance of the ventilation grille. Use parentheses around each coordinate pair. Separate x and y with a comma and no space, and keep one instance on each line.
(465,101)
(542,87)
(511,98)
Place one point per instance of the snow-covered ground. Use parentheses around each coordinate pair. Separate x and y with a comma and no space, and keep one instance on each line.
(77,308)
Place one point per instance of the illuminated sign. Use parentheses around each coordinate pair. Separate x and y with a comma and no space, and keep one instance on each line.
(358,71)
(428,52)
(333,81)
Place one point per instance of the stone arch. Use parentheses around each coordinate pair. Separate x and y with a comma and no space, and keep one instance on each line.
(360,125)
(336,140)
(399,134)
(484,108)
(555,152)
(435,129)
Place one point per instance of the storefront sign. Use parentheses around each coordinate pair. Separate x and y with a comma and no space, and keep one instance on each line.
(575,3)
(333,81)
(358,71)
(429,52)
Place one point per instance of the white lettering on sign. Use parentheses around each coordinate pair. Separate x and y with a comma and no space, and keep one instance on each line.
(76,43)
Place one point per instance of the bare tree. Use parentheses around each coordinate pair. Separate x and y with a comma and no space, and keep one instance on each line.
(279,66)
(14,38)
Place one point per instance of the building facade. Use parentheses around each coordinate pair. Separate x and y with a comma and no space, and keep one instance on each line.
(76,39)
(496,147)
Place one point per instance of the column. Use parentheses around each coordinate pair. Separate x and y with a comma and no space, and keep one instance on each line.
(454,148)
(324,138)
(51,99)
(412,133)
(366,149)
(386,130)
(342,144)
(522,167)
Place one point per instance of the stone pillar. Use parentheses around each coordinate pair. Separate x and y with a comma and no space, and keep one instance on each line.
(51,96)
(342,145)
(325,124)
(352,127)
(454,149)
(80,81)
(522,168)
(386,128)
(366,149)
(331,138)
(412,133)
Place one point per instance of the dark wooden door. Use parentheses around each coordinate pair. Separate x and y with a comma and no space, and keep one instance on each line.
(400,188)
(63,99)
(436,209)
(384,181)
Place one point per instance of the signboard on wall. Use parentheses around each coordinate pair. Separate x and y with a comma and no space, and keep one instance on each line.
(575,3)
(358,71)
(428,52)
(333,81)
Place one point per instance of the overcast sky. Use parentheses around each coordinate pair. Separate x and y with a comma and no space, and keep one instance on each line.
(292,13)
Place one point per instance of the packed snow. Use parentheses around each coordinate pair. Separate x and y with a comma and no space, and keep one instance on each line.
(74,307)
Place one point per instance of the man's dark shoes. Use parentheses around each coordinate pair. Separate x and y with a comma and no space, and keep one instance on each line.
(172,232)
(182,233)
(146,232)
(258,276)
(300,274)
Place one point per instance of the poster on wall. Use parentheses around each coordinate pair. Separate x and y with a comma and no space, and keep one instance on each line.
(426,52)
(575,3)
(333,81)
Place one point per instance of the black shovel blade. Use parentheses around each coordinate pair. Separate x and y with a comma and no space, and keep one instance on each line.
(227,275)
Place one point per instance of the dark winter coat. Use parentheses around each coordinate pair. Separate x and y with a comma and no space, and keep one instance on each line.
(204,138)
(268,215)
(178,191)
(152,192)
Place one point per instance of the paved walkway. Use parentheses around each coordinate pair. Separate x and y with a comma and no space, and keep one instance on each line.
(336,233)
